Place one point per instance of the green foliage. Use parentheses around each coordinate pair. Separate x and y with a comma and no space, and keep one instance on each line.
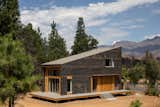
(15,69)
(44,55)
(32,41)
(82,41)
(136,73)
(125,76)
(34,45)
(9,16)
(152,69)
(56,44)
(135,103)
(152,91)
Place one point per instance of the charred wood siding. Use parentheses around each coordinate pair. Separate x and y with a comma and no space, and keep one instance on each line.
(83,69)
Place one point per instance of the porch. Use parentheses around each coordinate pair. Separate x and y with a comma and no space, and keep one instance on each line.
(57,97)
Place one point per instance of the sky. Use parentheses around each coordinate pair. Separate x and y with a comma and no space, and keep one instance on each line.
(108,21)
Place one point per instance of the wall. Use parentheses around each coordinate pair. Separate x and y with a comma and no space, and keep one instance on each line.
(82,69)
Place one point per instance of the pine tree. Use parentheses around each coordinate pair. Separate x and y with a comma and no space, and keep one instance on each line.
(33,44)
(44,50)
(92,42)
(9,16)
(56,44)
(15,70)
(82,41)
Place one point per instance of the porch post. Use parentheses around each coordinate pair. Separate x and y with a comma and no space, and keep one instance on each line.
(46,79)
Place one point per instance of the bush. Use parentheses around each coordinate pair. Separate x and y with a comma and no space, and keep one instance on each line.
(153,91)
(135,103)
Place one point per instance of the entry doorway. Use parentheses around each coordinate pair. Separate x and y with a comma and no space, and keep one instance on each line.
(53,85)
(102,83)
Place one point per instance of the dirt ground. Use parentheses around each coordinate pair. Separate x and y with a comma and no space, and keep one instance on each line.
(121,101)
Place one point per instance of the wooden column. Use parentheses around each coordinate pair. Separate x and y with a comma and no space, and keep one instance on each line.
(46,80)
(113,82)
(91,83)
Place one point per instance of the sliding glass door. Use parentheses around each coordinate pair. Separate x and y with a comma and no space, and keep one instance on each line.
(53,85)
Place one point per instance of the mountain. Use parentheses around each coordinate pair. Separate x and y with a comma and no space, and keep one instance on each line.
(138,49)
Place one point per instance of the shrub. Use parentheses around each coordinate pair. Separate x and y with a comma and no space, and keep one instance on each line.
(135,103)
(153,91)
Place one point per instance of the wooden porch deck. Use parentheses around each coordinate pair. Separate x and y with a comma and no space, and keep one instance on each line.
(58,97)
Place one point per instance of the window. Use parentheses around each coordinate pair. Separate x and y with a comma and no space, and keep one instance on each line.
(52,72)
(53,85)
(109,63)
(69,85)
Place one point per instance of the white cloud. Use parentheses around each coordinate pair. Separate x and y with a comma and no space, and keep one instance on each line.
(111,34)
(129,23)
(96,22)
(114,42)
(151,36)
(132,27)
(66,17)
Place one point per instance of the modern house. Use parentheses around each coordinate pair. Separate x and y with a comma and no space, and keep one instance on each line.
(96,70)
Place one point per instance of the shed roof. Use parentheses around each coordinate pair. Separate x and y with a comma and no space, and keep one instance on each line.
(79,56)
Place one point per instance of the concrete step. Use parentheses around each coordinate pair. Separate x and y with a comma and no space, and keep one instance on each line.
(107,96)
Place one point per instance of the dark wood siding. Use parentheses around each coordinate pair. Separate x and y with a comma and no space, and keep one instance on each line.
(83,69)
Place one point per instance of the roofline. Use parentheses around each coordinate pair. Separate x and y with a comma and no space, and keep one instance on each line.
(43,64)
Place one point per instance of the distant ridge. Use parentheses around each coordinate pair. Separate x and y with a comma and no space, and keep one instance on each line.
(138,49)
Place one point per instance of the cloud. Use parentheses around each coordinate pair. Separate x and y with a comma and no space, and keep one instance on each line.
(96,22)
(111,34)
(152,36)
(66,17)
(129,23)
(114,42)
(129,27)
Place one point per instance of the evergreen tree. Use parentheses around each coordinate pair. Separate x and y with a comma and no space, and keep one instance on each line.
(15,70)
(82,41)
(31,39)
(33,44)
(152,69)
(56,44)
(92,42)
(44,57)
(9,16)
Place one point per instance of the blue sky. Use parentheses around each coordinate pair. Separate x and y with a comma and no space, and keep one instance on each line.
(106,20)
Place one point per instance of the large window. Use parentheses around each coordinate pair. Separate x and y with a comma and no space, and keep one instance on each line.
(53,85)
(109,63)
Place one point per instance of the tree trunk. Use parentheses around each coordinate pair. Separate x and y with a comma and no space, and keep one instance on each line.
(124,85)
(11,101)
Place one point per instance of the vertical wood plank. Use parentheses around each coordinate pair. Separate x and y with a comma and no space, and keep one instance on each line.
(46,80)
(60,85)
(91,81)
(113,82)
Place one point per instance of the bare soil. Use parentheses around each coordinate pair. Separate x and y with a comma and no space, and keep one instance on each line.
(121,101)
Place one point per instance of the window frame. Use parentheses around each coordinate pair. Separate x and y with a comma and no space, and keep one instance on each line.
(69,78)
(112,63)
